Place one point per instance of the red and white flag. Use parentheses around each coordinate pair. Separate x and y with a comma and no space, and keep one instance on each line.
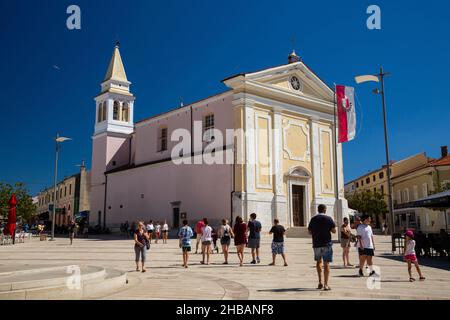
(345,100)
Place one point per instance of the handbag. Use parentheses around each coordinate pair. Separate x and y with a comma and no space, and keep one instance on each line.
(147,243)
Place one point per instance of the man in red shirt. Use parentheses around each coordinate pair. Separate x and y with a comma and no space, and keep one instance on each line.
(198,230)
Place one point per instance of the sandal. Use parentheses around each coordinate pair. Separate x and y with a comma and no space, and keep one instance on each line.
(143,270)
(422,278)
(326,288)
(320,286)
(271,264)
(412,279)
(285,264)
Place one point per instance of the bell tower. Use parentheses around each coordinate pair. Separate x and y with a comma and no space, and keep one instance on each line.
(114,112)
(111,141)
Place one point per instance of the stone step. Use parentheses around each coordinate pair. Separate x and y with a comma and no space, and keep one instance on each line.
(95,282)
(297,232)
(56,276)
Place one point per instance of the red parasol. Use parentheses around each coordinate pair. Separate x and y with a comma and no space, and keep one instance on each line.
(11,225)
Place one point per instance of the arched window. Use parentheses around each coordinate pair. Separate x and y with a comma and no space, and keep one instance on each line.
(100,113)
(104,111)
(125,112)
(116,110)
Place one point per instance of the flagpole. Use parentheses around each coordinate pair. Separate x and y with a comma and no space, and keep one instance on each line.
(336,173)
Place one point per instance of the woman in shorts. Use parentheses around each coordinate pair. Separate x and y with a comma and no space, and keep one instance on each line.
(225,233)
(206,241)
(240,238)
(346,236)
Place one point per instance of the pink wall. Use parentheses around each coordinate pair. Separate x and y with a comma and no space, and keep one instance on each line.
(163,183)
(203,190)
(105,150)
(98,178)
(146,138)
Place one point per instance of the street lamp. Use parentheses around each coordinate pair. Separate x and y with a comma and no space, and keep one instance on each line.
(380,78)
(58,141)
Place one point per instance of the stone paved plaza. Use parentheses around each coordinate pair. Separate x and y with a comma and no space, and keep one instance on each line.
(166,279)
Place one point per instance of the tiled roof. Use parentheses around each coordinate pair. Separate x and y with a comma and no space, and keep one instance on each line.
(445,161)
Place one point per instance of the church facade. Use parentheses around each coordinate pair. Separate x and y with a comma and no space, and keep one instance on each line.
(270,137)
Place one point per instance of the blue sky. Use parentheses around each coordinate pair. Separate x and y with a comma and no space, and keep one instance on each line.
(184,48)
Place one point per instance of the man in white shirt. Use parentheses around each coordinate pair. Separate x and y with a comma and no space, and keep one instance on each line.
(150,229)
(366,245)
(165,230)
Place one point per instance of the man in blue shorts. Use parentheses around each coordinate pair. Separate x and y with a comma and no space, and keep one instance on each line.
(254,237)
(320,227)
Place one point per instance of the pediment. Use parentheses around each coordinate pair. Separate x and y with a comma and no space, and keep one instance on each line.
(280,78)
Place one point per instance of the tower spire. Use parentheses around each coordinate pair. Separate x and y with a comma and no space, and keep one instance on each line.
(116,71)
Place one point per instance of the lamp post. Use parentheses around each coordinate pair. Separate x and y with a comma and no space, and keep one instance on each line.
(58,141)
(380,78)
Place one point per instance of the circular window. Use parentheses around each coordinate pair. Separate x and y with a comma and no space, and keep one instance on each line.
(295,83)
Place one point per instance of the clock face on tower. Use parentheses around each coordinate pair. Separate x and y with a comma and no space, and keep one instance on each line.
(295,83)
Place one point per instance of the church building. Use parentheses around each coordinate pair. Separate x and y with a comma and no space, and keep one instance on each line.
(278,163)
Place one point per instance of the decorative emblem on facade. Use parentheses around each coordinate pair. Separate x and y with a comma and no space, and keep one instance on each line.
(293,154)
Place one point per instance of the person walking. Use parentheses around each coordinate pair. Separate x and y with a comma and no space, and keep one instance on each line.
(254,238)
(385,228)
(225,233)
(214,236)
(133,229)
(346,236)
(72,229)
(240,238)
(206,241)
(126,227)
(40,228)
(278,232)
(150,230)
(366,245)
(410,255)
(185,234)
(141,245)
(157,231)
(320,227)
(198,230)
(165,231)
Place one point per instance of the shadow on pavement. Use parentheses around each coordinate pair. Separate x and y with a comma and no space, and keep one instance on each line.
(438,263)
(289,290)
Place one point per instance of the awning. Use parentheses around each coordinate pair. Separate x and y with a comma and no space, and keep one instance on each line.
(438,200)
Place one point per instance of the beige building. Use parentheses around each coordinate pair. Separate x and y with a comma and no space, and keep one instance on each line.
(413,178)
(418,178)
(72,197)
(375,181)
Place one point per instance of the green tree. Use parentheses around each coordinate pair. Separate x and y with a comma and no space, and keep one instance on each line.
(25,207)
(368,202)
